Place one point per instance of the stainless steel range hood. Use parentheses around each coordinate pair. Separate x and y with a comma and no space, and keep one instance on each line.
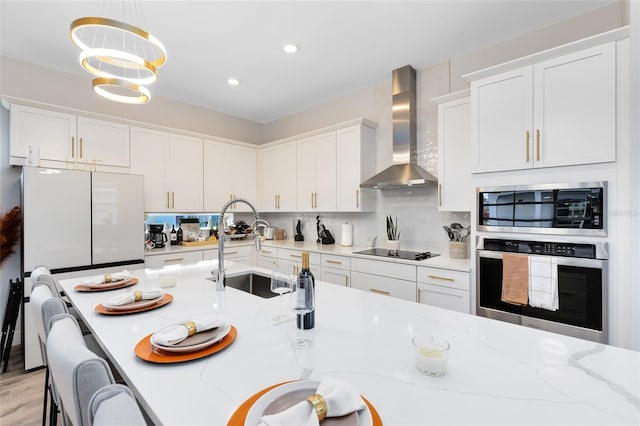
(405,170)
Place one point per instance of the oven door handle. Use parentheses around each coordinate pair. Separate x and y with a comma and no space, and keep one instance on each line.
(560,260)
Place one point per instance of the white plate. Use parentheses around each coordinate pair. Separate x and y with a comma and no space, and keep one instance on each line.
(257,409)
(185,346)
(135,305)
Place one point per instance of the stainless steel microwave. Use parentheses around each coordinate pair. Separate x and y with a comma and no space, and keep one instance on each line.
(566,209)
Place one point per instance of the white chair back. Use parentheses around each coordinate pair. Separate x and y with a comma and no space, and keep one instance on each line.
(114,405)
(40,292)
(76,371)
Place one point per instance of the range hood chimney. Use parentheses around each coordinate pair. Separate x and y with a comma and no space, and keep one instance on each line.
(405,170)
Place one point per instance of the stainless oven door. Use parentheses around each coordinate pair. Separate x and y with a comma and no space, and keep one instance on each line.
(582,293)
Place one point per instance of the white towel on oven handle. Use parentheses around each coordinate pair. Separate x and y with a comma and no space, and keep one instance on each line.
(543,283)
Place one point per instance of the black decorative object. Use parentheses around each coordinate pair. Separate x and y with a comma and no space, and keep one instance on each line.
(298,236)
(326,236)
(319,240)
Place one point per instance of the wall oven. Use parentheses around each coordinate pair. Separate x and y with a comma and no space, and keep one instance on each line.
(580,270)
(561,209)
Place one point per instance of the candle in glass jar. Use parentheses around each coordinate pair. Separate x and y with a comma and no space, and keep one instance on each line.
(430,354)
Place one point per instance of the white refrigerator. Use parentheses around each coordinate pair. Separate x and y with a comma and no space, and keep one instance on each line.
(73,221)
(78,219)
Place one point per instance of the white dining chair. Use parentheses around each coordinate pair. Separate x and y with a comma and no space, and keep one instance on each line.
(44,304)
(76,371)
(115,405)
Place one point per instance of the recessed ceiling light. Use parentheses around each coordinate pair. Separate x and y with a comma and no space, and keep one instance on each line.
(290,48)
(233,82)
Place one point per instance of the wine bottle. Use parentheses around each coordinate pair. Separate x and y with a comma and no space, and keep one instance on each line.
(174,236)
(306,321)
(179,235)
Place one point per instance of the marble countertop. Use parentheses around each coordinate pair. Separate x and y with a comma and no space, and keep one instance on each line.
(498,373)
(443,261)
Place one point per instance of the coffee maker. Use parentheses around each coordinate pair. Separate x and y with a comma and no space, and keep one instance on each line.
(157,237)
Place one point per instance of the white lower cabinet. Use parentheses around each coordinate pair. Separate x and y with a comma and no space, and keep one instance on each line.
(444,288)
(292,261)
(267,257)
(336,276)
(240,254)
(335,269)
(182,258)
(390,279)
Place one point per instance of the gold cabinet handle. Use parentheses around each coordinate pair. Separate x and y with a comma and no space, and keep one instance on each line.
(357,198)
(230,252)
(296,255)
(177,259)
(537,145)
(419,295)
(312,206)
(346,280)
(439,195)
(373,290)
(337,262)
(173,200)
(73,146)
(266,251)
(527,148)
(81,148)
(437,277)
(315,194)
(167,199)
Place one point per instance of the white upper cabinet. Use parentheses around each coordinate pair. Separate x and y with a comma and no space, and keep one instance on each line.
(172,169)
(106,142)
(277,180)
(355,159)
(455,190)
(186,171)
(558,112)
(67,138)
(229,173)
(316,173)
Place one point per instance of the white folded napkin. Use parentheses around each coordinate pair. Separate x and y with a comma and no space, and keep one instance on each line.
(177,333)
(108,278)
(341,398)
(123,299)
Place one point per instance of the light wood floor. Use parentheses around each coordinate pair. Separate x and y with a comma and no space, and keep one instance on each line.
(21,393)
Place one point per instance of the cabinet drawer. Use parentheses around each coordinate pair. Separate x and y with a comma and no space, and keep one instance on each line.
(232,252)
(268,252)
(296,256)
(383,285)
(444,277)
(336,276)
(444,297)
(335,262)
(162,260)
(386,269)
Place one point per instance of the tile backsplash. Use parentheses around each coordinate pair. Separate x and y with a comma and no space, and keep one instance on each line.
(419,221)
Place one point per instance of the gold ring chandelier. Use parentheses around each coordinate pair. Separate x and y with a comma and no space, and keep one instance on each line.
(122,57)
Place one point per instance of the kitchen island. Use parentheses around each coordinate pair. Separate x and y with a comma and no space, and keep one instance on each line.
(498,373)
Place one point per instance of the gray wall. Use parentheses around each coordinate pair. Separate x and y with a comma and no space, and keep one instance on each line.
(22,80)
(9,198)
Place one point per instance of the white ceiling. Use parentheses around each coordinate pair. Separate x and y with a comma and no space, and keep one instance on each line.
(344,45)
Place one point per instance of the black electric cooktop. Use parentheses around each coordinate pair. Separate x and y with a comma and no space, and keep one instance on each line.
(400,254)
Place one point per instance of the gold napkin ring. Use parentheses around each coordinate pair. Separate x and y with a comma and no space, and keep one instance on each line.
(107,278)
(191,327)
(319,404)
(138,295)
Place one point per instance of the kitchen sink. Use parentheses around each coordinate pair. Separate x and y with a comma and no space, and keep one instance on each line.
(251,283)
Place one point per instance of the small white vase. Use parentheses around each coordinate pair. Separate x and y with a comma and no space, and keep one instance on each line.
(393,246)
